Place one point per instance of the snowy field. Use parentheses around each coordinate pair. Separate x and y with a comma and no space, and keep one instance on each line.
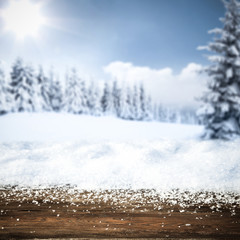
(69,127)
(109,153)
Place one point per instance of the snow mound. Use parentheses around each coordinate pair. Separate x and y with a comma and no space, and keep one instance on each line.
(113,165)
(113,154)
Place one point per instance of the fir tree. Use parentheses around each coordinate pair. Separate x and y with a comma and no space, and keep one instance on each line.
(3,93)
(162,113)
(136,103)
(36,92)
(116,93)
(126,104)
(22,81)
(84,97)
(142,103)
(94,100)
(188,116)
(149,109)
(90,98)
(74,102)
(56,94)
(37,97)
(45,89)
(107,100)
(221,111)
(171,115)
(155,112)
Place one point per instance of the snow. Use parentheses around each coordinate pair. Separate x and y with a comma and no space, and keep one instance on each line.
(216,58)
(206,109)
(230,125)
(234,50)
(229,73)
(109,153)
(200,48)
(216,31)
(224,107)
(70,127)
(233,89)
(237,62)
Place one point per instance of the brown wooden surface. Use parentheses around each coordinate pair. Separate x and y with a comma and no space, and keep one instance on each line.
(53,215)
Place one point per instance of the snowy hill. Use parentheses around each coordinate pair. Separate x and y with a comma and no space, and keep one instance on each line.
(94,153)
(65,127)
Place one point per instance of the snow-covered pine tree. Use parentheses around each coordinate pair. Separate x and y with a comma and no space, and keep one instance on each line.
(94,105)
(149,109)
(22,81)
(123,107)
(97,103)
(45,89)
(136,103)
(171,115)
(107,100)
(129,104)
(74,97)
(56,94)
(125,103)
(36,89)
(178,116)
(116,93)
(142,103)
(90,98)
(188,116)
(221,111)
(155,111)
(161,113)
(84,96)
(3,92)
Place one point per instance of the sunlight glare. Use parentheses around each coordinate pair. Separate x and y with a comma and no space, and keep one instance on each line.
(23,18)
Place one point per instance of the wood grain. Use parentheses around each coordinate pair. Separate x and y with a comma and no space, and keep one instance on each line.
(58,215)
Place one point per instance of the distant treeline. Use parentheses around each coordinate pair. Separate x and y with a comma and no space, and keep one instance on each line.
(25,90)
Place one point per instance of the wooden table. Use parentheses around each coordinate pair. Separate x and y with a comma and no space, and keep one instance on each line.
(70,213)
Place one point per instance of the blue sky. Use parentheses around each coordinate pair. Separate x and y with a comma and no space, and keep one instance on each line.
(91,34)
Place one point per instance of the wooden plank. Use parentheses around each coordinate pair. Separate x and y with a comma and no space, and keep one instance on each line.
(69,214)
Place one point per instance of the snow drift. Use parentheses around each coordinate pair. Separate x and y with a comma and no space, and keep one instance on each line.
(108,153)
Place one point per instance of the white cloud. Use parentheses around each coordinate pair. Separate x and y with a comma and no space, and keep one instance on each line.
(165,86)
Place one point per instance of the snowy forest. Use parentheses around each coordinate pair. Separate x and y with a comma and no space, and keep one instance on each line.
(27,90)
